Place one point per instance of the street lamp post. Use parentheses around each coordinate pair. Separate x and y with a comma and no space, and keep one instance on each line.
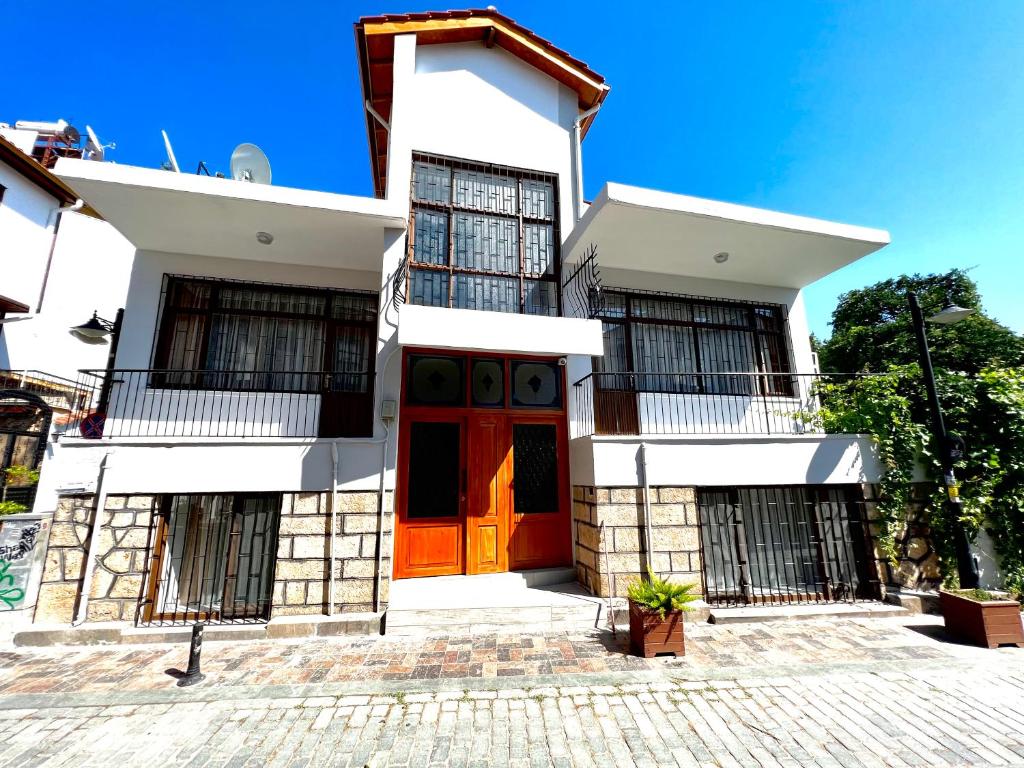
(967,567)
(95,331)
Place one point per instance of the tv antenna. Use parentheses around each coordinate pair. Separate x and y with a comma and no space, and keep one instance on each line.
(248,163)
(171,160)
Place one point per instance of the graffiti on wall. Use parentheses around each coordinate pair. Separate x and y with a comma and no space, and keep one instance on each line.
(21,559)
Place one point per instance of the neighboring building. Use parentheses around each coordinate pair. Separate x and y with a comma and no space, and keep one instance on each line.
(319,398)
(59,262)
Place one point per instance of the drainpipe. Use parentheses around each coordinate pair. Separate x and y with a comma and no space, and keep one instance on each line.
(54,219)
(334,522)
(577,140)
(90,547)
(648,528)
(383,510)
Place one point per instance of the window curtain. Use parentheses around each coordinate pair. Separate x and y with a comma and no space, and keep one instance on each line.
(665,350)
(265,353)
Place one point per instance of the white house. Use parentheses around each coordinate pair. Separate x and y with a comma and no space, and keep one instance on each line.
(321,402)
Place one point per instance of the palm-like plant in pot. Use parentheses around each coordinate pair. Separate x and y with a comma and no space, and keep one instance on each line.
(656,608)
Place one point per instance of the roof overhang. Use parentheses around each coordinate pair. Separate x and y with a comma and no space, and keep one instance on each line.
(48,182)
(207,216)
(651,231)
(12,305)
(375,43)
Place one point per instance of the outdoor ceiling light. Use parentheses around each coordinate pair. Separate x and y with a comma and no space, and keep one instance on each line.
(951,314)
(265,238)
(721,257)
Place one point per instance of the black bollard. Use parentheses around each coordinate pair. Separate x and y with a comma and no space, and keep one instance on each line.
(192,674)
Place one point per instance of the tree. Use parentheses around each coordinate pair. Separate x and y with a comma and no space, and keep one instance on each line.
(872,329)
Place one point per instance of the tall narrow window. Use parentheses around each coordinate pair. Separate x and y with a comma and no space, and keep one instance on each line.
(484,237)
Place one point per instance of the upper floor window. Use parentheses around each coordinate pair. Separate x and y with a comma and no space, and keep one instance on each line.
(670,339)
(483,237)
(222,334)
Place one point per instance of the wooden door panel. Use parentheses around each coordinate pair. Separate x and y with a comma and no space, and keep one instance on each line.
(540,494)
(433,548)
(486,512)
(430,536)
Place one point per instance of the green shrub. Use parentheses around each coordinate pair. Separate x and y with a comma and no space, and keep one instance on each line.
(11,508)
(659,595)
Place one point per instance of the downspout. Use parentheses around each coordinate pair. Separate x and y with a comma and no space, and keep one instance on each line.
(334,522)
(577,139)
(90,547)
(648,528)
(54,218)
(383,511)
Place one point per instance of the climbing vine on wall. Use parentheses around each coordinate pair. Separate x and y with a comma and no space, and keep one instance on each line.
(986,409)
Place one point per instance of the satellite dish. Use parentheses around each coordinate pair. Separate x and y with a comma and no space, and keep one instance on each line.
(93,149)
(248,163)
(71,135)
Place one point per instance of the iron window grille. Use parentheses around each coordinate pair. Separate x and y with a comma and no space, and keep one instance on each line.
(213,559)
(221,334)
(668,340)
(483,236)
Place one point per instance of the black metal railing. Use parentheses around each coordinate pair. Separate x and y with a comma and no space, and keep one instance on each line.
(146,402)
(212,560)
(57,392)
(784,545)
(582,290)
(650,403)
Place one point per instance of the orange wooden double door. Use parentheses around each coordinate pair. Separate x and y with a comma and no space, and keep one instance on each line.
(481,491)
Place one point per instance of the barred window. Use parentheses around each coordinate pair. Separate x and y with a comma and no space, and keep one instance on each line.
(484,237)
(222,334)
(666,338)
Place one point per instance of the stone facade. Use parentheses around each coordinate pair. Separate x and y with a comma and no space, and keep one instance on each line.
(302,579)
(608,529)
(917,566)
(122,550)
(302,571)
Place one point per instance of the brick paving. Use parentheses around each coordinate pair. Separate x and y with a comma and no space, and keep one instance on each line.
(813,693)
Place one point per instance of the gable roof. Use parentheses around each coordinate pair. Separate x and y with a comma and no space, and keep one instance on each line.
(375,43)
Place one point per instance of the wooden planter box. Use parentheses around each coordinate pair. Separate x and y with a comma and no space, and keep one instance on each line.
(649,634)
(988,623)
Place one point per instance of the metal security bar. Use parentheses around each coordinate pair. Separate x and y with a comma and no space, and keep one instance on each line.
(483,236)
(657,403)
(798,544)
(212,560)
(148,402)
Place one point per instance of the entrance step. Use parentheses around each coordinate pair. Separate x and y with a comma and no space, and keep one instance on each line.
(915,601)
(537,601)
(755,613)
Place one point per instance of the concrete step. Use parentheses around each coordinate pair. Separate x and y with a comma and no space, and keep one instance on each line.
(757,613)
(112,633)
(527,601)
(915,601)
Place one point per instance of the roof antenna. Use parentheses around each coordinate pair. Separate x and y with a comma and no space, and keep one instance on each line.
(170,153)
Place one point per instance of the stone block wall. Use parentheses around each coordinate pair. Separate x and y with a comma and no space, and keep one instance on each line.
(122,551)
(676,537)
(302,571)
(917,566)
(302,579)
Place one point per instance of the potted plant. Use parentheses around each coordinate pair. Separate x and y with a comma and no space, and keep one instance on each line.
(656,609)
(981,617)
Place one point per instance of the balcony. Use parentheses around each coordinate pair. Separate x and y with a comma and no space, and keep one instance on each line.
(695,403)
(203,404)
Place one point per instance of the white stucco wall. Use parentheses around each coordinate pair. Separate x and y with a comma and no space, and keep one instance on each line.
(26,231)
(89,272)
(730,461)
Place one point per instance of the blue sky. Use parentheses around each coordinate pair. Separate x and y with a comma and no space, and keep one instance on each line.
(906,115)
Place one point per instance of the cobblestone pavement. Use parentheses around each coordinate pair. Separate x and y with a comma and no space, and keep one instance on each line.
(815,693)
